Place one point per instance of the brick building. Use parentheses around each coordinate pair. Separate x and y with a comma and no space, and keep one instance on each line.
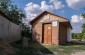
(49,28)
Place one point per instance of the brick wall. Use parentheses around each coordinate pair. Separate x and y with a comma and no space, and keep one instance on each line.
(37,31)
(55,34)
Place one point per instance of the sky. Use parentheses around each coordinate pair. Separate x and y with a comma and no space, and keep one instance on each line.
(71,9)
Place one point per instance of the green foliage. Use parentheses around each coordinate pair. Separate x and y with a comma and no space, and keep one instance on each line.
(81,35)
(16,15)
(75,35)
(83,15)
(4,1)
(78,36)
(83,31)
(26,32)
(83,26)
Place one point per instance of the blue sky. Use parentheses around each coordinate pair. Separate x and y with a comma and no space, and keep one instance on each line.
(71,9)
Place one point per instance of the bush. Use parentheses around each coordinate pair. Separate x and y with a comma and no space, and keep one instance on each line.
(77,36)
(26,32)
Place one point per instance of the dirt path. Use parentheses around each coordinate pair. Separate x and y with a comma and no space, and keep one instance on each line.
(79,53)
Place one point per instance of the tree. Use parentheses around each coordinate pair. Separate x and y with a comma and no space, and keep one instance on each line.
(26,31)
(4,1)
(12,11)
(81,35)
(16,16)
(78,36)
(83,31)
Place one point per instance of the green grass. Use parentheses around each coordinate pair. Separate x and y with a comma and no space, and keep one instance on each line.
(60,50)
(66,50)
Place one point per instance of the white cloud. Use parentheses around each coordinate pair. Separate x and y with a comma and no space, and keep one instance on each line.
(44,6)
(32,10)
(76,3)
(57,4)
(77,21)
(75,18)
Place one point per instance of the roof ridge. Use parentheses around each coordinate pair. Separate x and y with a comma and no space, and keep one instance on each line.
(47,12)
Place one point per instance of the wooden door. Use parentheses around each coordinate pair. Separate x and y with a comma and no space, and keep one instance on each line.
(47,33)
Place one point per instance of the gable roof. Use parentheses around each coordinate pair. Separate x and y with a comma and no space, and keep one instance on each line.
(45,12)
(4,15)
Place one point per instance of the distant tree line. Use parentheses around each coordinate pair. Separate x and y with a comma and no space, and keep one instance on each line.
(80,36)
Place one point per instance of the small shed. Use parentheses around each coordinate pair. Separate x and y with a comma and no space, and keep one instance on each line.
(49,28)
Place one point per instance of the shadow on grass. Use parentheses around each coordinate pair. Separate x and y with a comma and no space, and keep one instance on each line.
(34,48)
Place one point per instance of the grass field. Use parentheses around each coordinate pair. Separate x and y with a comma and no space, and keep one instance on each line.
(35,48)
